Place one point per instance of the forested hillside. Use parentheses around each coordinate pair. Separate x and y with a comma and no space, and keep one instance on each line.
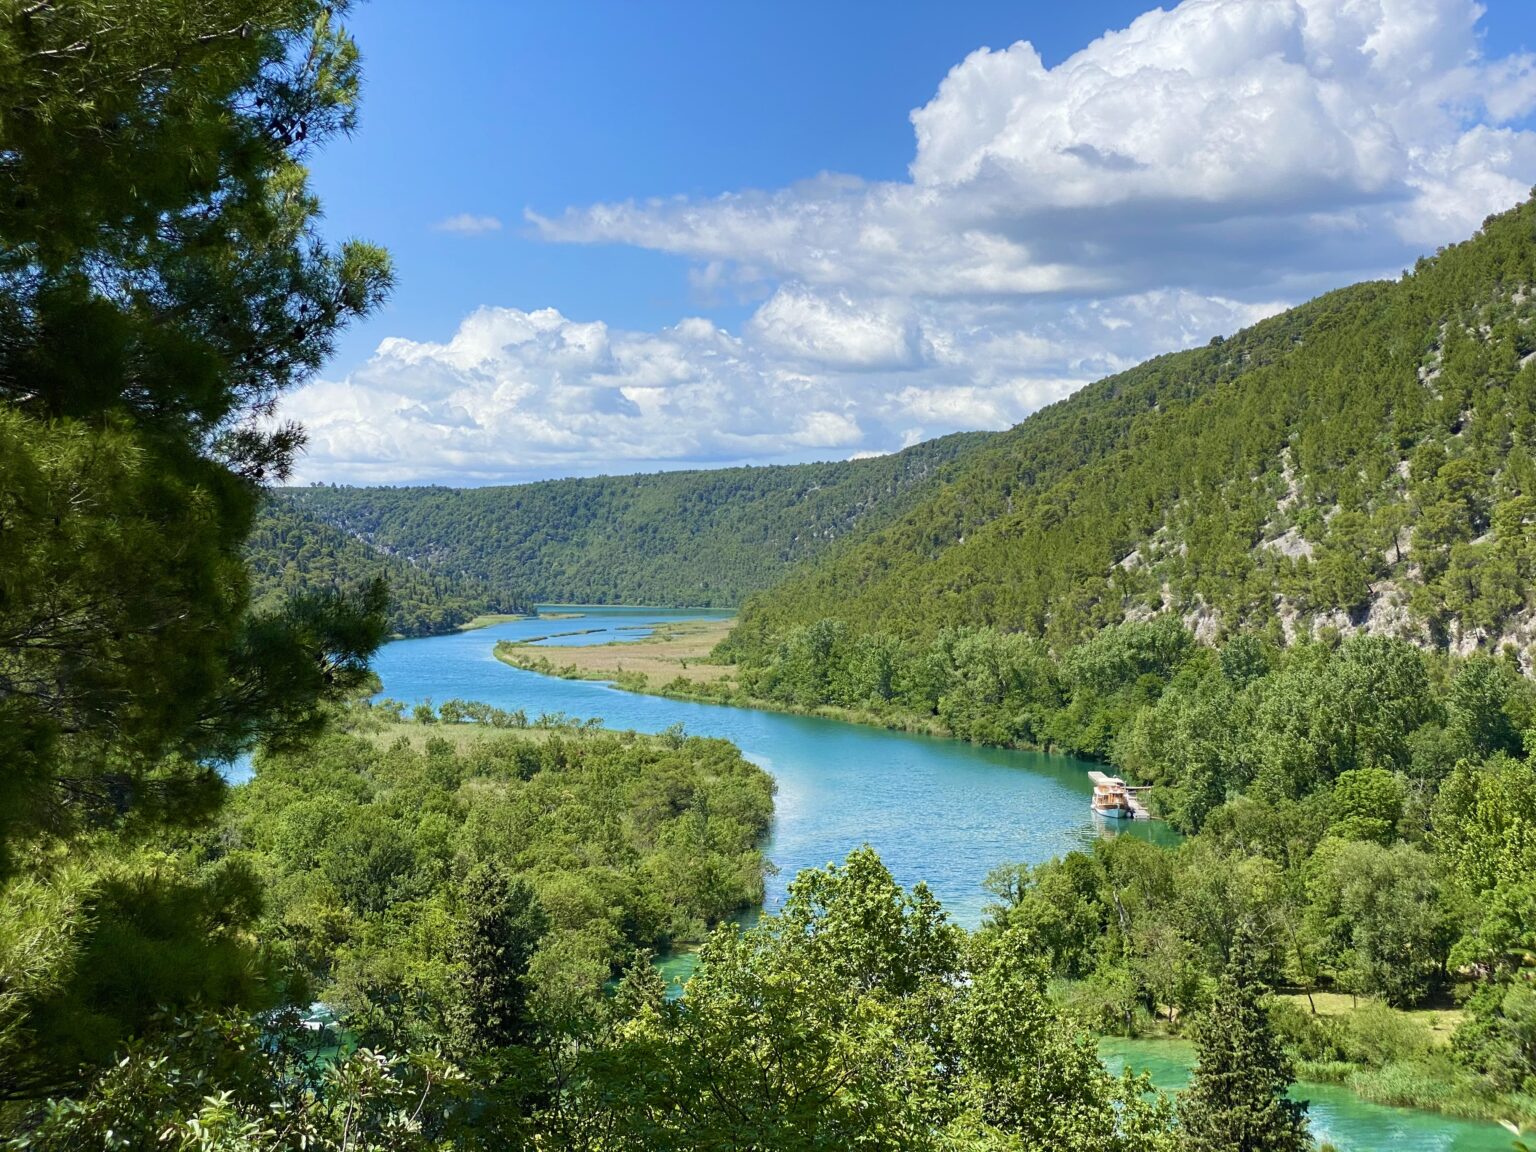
(291,552)
(675,538)
(1361,461)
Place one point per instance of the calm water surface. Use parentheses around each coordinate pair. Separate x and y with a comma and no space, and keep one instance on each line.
(936,810)
(1337,1115)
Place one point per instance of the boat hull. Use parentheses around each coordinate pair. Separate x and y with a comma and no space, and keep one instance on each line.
(1114,813)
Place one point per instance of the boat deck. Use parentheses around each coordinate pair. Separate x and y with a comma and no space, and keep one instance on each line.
(1138,809)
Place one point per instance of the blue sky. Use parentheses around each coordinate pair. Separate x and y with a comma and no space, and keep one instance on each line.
(490,108)
(633,236)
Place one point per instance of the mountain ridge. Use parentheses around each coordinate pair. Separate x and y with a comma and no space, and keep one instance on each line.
(1359,462)
(699,538)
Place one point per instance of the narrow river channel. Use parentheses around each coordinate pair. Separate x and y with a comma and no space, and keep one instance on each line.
(936,810)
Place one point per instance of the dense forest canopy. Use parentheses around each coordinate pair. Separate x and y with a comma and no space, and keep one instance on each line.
(685,539)
(290,552)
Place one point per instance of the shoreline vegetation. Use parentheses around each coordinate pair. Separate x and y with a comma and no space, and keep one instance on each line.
(488,619)
(677,662)
(1400,1055)
(1397,1057)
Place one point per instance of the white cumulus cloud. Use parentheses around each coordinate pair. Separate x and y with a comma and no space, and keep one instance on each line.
(518,395)
(1173,180)
(1213,145)
(468,224)
(834,331)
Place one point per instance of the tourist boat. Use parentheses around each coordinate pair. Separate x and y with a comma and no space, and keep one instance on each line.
(1114,799)
(1110,799)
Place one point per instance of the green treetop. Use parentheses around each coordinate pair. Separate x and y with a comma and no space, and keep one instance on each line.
(1236,1098)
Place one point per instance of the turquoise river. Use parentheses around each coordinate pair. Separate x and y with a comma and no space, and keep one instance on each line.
(936,810)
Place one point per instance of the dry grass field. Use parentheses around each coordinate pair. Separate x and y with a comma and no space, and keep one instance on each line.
(672,650)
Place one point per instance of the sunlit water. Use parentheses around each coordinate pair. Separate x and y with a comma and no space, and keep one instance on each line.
(1336,1114)
(936,810)
(939,811)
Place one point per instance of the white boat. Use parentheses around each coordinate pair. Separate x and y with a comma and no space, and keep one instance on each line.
(1114,799)
(1111,800)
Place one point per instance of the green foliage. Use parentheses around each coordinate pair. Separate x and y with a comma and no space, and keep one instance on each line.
(410,886)
(675,538)
(218,1084)
(500,929)
(1488,707)
(857,1016)
(1484,823)
(289,553)
(981,684)
(1498,1038)
(1379,918)
(1236,1098)
(163,281)
(1368,804)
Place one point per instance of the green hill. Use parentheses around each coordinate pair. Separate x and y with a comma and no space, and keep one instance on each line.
(289,551)
(701,538)
(1362,462)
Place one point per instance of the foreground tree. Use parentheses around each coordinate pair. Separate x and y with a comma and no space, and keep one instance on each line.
(501,926)
(1236,1099)
(162,282)
(857,1017)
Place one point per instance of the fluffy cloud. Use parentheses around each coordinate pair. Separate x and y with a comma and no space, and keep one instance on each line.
(1219,144)
(468,224)
(1173,180)
(519,395)
(833,331)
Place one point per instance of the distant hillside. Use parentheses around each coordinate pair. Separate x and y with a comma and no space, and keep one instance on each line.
(702,538)
(290,551)
(1363,461)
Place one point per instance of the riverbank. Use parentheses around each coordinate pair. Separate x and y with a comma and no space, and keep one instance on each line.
(675,662)
(487,620)
(1338,1116)
(672,652)
(1392,1057)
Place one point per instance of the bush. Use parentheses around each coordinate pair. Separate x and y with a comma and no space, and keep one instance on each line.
(1377,1035)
